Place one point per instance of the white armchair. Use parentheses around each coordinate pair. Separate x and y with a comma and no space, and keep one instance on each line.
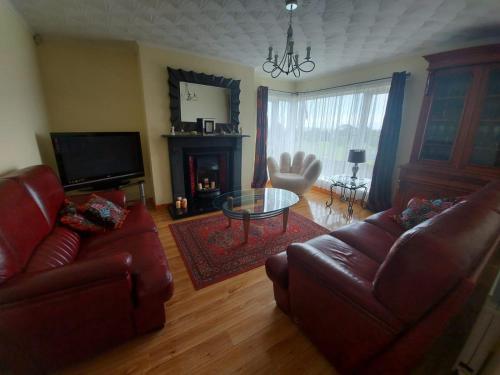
(297,176)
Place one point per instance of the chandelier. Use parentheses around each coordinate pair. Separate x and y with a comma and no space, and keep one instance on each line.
(289,63)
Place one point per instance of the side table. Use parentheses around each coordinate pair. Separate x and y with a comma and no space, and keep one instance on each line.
(348,190)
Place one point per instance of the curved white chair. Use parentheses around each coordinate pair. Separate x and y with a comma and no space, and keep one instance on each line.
(297,176)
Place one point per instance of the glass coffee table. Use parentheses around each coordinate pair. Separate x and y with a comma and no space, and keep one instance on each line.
(256,204)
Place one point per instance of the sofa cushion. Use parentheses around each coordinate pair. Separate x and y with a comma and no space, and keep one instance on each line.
(367,238)
(45,188)
(429,260)
(385,220)
(419,209)
(138,221)
(349,259)
(22,226)
(104,212)
(81,224)
(149,264)
(58,249)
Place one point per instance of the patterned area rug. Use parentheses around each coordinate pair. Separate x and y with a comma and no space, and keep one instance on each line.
(212,252)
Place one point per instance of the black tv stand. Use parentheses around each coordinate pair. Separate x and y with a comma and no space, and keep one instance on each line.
(117,185)
(109,185)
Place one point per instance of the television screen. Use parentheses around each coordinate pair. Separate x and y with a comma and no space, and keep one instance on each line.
(86,159)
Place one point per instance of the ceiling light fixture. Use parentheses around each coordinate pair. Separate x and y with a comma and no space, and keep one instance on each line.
(289,63)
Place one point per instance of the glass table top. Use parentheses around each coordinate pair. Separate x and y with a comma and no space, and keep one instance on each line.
(348,182)
(257,203)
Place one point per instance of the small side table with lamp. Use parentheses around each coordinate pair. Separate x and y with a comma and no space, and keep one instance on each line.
(349,185)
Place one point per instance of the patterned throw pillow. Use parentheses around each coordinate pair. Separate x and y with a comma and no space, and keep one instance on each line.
(103,212)
(70,217)
(419,210)
(81,224)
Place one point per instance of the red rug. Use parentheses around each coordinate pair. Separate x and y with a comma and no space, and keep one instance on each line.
(212,252)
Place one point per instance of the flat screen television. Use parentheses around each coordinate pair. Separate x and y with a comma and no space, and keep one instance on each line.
(97,159)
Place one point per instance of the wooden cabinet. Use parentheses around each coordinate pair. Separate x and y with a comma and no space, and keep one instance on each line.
(457,143)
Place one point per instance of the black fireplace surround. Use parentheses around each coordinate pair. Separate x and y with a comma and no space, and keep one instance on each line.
(194,158)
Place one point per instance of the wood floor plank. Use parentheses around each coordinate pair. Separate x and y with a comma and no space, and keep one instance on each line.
(230,327)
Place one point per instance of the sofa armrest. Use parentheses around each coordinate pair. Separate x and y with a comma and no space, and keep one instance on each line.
(352,289)
(71,276)
(336,308)
(116,196)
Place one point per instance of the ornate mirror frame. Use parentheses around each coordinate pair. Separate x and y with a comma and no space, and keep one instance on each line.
(175,76)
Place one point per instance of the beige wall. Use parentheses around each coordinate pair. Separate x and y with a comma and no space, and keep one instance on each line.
(23,122)
(119,86)
(289,85)
(154,62)
(94,86)
(414,93)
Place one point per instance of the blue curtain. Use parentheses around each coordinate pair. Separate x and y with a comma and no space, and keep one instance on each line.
(380,195)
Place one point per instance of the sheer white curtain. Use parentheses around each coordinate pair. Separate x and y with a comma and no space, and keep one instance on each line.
(328,124)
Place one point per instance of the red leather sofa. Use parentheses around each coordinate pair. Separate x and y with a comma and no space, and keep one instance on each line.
(372,297)
(64,297)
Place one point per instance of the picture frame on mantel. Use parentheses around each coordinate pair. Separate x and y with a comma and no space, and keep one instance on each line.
(208,126)
(176,76)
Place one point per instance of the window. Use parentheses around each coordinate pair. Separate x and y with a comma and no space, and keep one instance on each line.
(328,124)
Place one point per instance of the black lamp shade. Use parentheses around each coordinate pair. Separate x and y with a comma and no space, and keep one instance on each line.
(356,156)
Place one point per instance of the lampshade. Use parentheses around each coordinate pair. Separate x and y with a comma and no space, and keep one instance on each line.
(356,156)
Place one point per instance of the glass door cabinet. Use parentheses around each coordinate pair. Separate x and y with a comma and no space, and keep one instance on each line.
(456,149)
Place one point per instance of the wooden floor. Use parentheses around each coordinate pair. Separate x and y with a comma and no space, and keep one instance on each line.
(230,327)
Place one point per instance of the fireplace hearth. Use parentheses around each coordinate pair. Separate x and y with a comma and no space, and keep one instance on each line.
(202,168)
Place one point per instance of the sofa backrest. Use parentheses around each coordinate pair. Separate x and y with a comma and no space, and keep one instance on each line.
(45,188)
(22,227)
(428,261)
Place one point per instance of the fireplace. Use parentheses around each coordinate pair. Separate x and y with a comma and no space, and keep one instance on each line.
(201,168)
(206,175)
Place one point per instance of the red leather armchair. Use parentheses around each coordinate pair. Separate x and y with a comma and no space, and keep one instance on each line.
(64,297)
(373,297)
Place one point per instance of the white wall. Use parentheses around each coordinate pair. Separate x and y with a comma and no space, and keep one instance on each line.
(23,121)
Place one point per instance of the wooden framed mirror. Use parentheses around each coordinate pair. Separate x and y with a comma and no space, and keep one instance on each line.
(199,95)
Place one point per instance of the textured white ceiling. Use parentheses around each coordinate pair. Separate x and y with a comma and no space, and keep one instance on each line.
(342,33)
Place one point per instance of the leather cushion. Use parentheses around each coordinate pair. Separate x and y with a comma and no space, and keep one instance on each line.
(22,226)
(58,249)
(149,265)
(349,259)
(385,220)
(138,221)
(45,188)
(277,269)
(489,195)
(430,259)
(8,263)
(367,238)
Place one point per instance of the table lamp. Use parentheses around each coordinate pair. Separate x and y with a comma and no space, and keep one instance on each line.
(356,157)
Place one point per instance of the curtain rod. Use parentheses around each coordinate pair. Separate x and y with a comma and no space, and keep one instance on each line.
(335,87)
